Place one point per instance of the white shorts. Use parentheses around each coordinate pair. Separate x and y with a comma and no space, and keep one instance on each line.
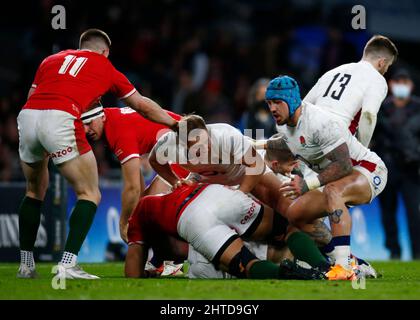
(53,133)
(377,179)
(215,216)
(201,268)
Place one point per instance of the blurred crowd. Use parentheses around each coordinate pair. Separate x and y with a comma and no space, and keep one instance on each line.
(208,57)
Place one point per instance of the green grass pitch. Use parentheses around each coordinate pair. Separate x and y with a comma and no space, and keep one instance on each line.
(400,280)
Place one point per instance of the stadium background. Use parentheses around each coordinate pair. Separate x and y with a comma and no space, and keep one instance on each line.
(201,56)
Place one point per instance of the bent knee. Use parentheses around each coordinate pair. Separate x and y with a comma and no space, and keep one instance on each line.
(332,192)
(91,195)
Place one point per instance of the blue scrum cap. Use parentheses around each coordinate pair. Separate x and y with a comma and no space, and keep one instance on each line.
(286,89)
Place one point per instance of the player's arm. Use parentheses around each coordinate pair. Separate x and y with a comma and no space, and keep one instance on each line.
(339,167)
(372,102)
(150,110)
(132,190)
(255,168)
(163,169)
(366,127)
(135,260)
(334,148)
(37,79)
(30,92)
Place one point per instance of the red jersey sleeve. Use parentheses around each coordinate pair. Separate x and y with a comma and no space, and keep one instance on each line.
(38,75)
(126,148)
(121,86)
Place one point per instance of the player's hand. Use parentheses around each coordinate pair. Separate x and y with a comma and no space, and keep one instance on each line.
(175,126)
(182,182)
(295,188)
(124,230)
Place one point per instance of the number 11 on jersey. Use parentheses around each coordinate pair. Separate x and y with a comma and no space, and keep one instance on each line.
(77,66)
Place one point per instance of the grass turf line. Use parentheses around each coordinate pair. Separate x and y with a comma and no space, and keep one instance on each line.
(401,280)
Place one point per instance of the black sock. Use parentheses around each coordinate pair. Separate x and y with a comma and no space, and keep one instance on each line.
(80,221)
(29,220)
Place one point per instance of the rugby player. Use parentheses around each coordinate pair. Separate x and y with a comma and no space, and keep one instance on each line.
(214,219)
(129,137)
(285,165)
(216,153)
(355,91)
(350,173)
(67,84)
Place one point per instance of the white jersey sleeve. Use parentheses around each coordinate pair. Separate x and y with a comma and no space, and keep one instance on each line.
(372,101)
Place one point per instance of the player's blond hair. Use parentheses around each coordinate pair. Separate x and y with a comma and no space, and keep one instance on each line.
(380,46)
(190,122)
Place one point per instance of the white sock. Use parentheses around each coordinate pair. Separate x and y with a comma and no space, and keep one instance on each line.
(27,258)
(69,259)
(341,254)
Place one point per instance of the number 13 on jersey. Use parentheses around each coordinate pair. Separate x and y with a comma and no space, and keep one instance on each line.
(344,81)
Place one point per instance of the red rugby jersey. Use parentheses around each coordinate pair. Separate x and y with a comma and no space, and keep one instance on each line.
(130,135)
(160,213)
(74,80)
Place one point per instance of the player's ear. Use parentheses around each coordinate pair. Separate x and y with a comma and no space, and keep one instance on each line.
(382,63)
(105,52)
(274,164)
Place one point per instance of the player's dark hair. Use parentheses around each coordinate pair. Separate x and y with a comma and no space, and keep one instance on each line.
(93,35)
(380,45)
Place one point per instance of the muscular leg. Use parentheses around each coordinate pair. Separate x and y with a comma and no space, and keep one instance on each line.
(240,262)
(267,191)
(82,174)
(36,175)
(353,189)
(301,245)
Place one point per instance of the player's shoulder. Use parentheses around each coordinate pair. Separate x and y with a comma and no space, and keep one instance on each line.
(112,111)
(340,69)
(368,72)
(58,55)
(313,113)
(315,118)
(222,129)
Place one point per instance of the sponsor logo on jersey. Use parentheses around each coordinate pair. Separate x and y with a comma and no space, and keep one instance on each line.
(302,141)
(118,152)
(249,214)
(60,153)
(377,180)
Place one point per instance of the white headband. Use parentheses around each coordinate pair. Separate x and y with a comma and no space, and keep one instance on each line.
(94,113)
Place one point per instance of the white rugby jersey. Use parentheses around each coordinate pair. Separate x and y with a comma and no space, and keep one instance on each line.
(317,133)
(348,90)
(228,146)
